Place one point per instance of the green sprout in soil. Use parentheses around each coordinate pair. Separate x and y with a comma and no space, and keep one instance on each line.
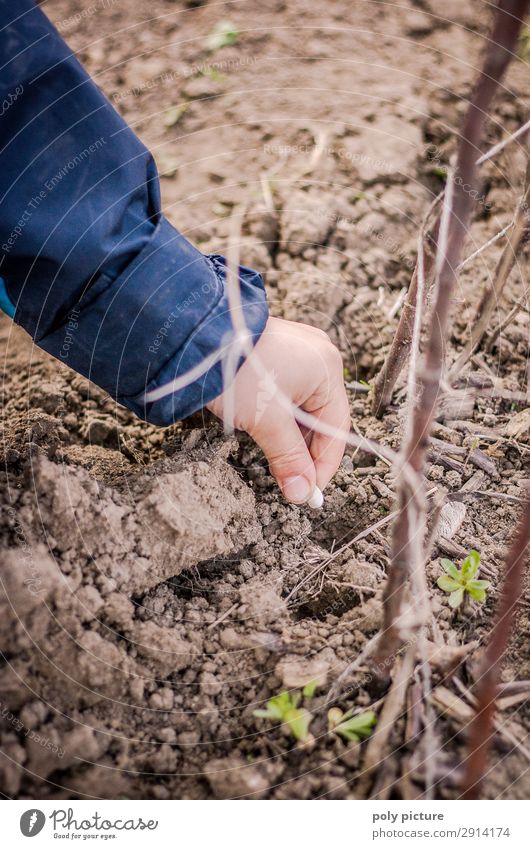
(285,708)
(174,115)
(224,34)
(459,582)
(351,728)
(309,690)
(440,172)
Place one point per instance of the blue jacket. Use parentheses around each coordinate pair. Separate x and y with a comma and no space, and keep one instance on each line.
(90,266)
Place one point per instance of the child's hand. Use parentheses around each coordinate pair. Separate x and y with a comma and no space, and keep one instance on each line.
(306,367)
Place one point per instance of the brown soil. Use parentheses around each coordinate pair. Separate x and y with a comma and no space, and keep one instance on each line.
(149,576)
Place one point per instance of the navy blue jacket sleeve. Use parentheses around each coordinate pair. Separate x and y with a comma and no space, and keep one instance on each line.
(93,270)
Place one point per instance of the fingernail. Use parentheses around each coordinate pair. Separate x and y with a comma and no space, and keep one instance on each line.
(317,499)
(297,489)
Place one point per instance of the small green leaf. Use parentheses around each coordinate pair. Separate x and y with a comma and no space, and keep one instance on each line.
(470,565)
(348,735)
(264,714)
(310,689)
(298,721)
(450,568)
(174,115)
(477,589)
(357,727)
(295,699)
(223,35)
(278,705)
(476,593)
(479,585)
(283,700)
(448,584)
(440,172)
(456,598)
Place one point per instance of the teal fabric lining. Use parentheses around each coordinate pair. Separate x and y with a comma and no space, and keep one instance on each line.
(6,304)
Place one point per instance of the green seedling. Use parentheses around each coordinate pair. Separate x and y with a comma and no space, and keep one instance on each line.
(440,172)
(310,689)
(351,728)
(174,115)
(223,34)
(285,708)
(458,582)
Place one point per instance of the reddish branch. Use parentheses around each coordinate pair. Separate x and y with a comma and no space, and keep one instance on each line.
(400,347)
(492,294)
(509,17)
(508,21)
(482,731)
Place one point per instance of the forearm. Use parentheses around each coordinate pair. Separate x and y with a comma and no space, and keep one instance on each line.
(97,275)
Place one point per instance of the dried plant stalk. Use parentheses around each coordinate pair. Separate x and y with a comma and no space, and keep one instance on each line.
(493,293)
(482,726)
(453,227)
(400,347)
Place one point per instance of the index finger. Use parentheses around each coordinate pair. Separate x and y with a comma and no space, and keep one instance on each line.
(327,451)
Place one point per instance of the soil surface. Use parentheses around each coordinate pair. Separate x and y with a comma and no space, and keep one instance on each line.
(156,588)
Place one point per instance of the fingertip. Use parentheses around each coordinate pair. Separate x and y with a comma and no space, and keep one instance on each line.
(289,458)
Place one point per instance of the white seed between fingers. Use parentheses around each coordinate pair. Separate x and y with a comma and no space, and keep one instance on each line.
(317,499)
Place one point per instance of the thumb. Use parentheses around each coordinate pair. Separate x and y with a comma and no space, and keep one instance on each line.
(283,444)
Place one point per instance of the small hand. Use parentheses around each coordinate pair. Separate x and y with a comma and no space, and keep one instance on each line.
(303,365)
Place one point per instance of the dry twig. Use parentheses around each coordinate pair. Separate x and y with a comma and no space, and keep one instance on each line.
(493,293)
(482,726)
(453,226)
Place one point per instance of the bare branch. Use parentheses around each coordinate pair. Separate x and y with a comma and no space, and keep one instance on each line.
(453,227)
(400,347)
(509,17)
(482,727)
(493,293)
